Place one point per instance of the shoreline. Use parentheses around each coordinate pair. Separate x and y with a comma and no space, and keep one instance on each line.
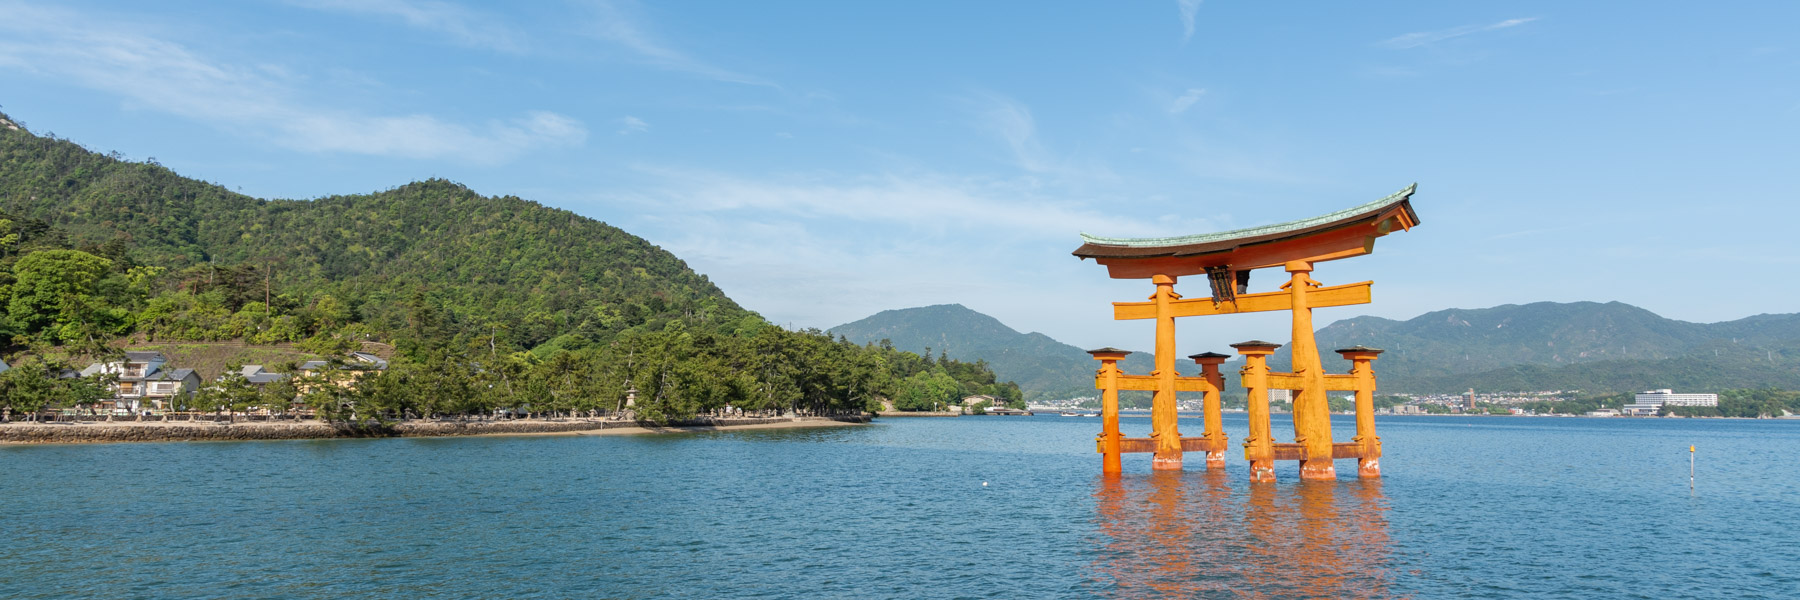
(35,434)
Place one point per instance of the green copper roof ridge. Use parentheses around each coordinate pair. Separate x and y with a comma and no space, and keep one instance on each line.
(1201,238)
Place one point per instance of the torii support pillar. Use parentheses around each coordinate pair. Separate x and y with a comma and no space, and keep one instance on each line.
(1368,461)
(1110,439)
(1214,434)
(1259,446)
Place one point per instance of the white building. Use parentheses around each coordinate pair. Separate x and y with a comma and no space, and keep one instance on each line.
(1651,402)
(143,382)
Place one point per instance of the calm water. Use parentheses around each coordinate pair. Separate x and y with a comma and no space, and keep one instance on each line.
(1470,507)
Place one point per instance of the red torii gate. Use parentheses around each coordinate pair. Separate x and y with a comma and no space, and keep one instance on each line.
(1226,259)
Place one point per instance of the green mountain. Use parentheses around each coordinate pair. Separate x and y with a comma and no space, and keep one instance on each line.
(489,303)
(478,266)
(1594,347)
(1043,367)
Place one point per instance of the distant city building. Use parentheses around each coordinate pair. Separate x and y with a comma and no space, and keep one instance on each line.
(1469,401)
(1281,396)
(1651,402)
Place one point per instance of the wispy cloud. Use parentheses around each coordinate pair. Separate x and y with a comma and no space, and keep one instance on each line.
(1011,121)
(617,24)
(1187,8)
(465,26)
(630,125)
(1426,38)
(820,249)
(1186,100)
(261,100)
(913,199)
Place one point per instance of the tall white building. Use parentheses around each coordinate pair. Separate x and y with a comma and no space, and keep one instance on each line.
(1651,402)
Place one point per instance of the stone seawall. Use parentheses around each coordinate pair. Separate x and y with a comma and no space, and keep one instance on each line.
(102,432)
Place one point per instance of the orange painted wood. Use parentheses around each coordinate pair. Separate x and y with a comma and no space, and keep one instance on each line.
(1333,383)
(1146,383)
(1337,295)
(1188,444)
(1338,450)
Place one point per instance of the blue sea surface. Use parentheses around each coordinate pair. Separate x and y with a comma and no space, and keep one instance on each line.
(972,507)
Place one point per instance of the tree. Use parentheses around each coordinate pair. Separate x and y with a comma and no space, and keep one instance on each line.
(278,395)
(26,388)
(234,392)
(55,288)
(9,237)
(927,390)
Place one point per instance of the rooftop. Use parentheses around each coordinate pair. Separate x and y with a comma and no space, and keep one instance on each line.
(1340,234)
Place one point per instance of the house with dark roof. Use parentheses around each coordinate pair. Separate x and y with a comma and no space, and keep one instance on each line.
(257,376)
(345,372)
(354,361)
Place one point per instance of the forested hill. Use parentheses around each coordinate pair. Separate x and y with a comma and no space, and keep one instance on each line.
(1044,368)
(492,304)
(477,265)
(1612,347)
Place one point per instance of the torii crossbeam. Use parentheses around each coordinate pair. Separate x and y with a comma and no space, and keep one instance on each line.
(1227,258)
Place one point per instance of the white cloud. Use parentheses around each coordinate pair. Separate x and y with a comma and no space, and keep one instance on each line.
(1187,99)
(1425,38)
(465,26)
(1012,122)
(1187,8)
(261,100)
(615,24)
(926,201)
(823,249)
(633,125)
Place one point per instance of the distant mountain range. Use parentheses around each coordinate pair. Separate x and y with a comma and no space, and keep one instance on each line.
(1588,346)
(1044,368)
(1610,347)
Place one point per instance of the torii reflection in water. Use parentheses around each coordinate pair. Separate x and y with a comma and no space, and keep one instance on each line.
(1168,535)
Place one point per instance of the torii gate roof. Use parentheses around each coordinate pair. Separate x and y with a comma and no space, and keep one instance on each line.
(1341,234)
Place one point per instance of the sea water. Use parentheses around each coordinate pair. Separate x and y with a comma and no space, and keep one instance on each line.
(1489,507)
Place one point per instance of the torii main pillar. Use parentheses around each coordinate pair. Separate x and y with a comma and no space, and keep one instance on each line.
(1312,410)
(1163,418)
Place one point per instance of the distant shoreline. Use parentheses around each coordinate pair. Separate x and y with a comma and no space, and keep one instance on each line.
(1146,414)
(102,432)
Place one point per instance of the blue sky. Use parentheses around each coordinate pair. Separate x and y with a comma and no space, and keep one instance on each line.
(825,161)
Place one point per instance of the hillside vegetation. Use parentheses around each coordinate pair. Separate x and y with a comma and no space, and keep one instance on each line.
(491,303)
(487,266)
